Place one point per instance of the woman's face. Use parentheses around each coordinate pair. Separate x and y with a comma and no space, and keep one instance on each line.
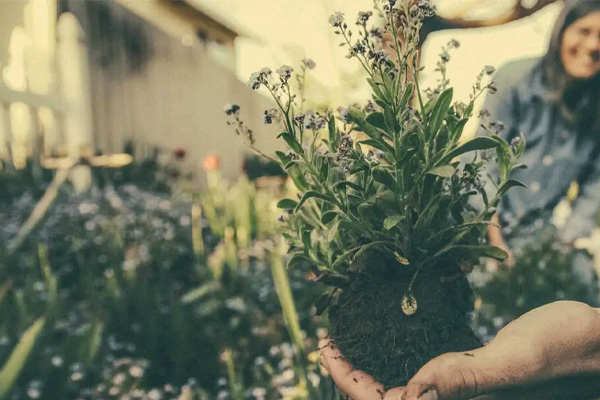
(580,51)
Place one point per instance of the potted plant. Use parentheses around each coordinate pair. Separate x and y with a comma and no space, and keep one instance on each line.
(384,213)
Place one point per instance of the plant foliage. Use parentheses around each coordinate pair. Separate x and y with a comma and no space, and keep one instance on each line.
(393,176)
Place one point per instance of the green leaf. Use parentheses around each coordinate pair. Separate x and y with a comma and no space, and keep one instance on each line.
(445,171)
(520,166)
(294,171)
(347,254)
(348,183)
(378,144)
(392,221)
(502,152)
(332,279)
(333,133)
(510,184)
(368,246)
(290,164)
(306,240)
(50,278)
(384,177)
(284,158)
(440,109)
(358,167)
(328,216)
(308,195)
(298,178)
(365,212)
(375,88)
(377,120)
(19,356)
(358,117)
(299,259)
(292,142)
(477,251)
(324,171)
(390,120)
(406,95)
(458,129)
(93,342)
(469,110)
(200,292)
(380,102)
(478,143)
(287,204)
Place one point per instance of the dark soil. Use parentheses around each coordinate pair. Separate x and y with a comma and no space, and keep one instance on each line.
(373,333)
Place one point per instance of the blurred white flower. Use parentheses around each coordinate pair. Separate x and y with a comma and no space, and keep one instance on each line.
(136,371)
(57,361)
(561,213)
(592,245)
(154,394)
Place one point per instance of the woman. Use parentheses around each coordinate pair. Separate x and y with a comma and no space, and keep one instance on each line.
(552,352)
(555,102)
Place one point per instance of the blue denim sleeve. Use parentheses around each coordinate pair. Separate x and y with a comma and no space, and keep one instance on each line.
(501,107)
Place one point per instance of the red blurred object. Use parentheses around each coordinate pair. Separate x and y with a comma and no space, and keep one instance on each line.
(211,162)
(179,154)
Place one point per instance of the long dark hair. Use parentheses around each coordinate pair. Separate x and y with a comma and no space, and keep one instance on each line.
(578,101)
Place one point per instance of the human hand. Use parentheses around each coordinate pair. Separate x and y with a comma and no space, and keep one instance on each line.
(552,352)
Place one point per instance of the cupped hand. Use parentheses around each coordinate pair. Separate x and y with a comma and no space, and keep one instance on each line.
(552,352)
(356,384)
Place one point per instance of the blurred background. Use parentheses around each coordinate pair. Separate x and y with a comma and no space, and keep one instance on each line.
(139,254)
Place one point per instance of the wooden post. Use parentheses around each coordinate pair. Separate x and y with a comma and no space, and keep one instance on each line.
(75,88)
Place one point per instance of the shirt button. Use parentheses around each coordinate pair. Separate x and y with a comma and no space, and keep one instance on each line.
(548,160)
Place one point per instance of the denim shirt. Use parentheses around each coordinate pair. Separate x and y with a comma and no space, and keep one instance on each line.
(554,155)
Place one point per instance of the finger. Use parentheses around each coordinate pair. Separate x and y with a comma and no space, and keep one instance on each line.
(323,343)
(453,376)
(466,375)
(357,384)
(395,394)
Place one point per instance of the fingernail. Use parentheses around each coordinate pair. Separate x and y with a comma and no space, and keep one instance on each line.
(431,394)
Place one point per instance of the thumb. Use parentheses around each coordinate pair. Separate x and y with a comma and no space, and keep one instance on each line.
(456,376)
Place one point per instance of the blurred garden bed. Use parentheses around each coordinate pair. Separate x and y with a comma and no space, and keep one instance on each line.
(160,292)
(145,289)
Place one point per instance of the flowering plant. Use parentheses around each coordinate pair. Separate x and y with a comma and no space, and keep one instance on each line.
(401,188)
(382,188)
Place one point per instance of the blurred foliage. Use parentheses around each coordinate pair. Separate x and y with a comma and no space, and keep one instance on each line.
(125,293)
(159,294)
(543,273)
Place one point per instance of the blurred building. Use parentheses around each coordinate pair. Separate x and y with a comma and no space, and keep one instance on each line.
(156,73)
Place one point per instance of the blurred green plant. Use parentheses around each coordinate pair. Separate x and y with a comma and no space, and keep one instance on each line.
(19,356)
(545,267)
(148,288)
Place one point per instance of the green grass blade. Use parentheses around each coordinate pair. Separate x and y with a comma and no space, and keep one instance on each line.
(11,370)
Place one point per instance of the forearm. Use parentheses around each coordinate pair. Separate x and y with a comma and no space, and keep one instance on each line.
(580,351)
(554,342)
